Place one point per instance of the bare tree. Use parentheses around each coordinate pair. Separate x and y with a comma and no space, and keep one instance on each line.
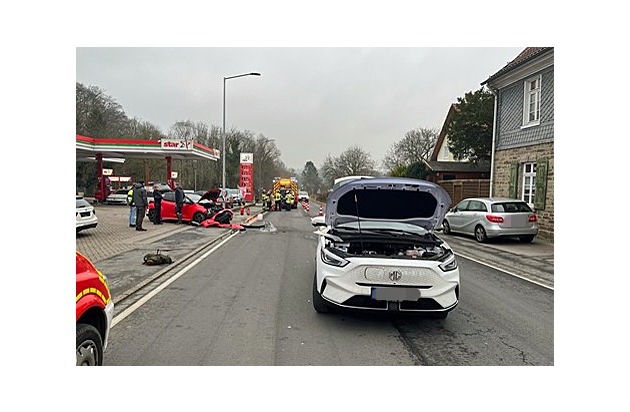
(266,154)
(352,162)
(416,146)
(97,114)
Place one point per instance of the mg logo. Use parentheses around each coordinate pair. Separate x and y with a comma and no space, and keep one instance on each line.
(395,275)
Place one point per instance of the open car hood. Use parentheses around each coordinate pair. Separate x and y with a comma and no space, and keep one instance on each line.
(399,199)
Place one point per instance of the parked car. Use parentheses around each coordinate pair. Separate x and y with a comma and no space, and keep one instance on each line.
(163,187)
(487,218)
(192,210)
(95,310)
(118,197)
(236,196)
(375,258)
(86,215)
(303,196)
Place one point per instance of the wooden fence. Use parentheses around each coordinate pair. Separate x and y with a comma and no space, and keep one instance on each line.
(464,188)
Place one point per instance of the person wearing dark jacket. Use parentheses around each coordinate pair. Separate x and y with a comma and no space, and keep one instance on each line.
(141,202)
(157,202)
(179,202)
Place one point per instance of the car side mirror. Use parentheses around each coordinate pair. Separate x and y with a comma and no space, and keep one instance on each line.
(318,221)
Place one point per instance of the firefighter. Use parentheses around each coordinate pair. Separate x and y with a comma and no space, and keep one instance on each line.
(289,200)
(268,200)
(278,200)
(265,199)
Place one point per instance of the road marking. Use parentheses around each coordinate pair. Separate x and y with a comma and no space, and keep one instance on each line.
(176,276)
(504,271)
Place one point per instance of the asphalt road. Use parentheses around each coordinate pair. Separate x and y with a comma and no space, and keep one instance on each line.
(248,302)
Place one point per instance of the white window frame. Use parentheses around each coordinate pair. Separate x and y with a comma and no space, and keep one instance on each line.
(531,101)
(529,171)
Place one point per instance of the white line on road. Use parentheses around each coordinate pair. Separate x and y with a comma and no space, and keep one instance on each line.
(504,271)
(176,276)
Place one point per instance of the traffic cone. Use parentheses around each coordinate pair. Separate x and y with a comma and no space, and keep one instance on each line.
(321,211)
(242,210)
(248,213)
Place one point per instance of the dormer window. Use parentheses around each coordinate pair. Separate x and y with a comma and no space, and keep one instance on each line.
(531,104)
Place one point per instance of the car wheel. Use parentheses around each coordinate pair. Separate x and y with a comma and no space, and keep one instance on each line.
(89,346)
(151,214)
(198,217)
(318,302)
(446,228)
(480,234)
(526,238)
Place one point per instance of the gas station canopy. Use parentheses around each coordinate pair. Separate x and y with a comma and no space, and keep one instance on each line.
(87,148)
(101,149)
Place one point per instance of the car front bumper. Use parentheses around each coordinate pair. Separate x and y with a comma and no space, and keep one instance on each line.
(353,286)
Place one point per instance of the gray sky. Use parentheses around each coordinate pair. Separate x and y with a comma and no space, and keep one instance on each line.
(313,101)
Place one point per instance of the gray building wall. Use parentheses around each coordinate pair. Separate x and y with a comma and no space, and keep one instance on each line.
(515,144)
(510,109)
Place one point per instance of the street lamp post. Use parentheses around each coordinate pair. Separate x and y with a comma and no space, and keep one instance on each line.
(223,153)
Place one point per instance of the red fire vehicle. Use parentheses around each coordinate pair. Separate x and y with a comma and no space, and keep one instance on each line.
(95,310)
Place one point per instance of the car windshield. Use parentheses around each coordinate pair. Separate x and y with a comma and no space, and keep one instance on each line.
(303,193)
(193,197)
(121,191)
(511,207)
(383,225)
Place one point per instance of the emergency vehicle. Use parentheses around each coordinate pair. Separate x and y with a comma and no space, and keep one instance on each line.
(285,184)
(95,310)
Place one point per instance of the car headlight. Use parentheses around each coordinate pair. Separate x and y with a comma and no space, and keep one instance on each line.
(331,259)
(450,264)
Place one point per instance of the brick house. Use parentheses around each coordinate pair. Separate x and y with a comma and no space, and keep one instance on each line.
(522,164)
(460,178)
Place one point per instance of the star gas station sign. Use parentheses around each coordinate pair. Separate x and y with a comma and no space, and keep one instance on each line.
(247,175)
(177,144)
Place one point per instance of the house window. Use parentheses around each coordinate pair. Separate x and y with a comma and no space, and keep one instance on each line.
(529,183)
(531,108)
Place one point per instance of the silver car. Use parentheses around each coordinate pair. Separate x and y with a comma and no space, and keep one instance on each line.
(119,197)
(487,218)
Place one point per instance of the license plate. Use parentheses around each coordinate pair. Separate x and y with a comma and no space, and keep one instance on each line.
(395,294)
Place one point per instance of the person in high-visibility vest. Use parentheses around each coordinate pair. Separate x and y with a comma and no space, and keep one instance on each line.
(265,198)
(132,208)
(278,200)
(289,201)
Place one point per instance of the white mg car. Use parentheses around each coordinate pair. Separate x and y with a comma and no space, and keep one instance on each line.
(377,250)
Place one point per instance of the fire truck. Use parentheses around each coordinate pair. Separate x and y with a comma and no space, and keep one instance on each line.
(283,185)
(95,310)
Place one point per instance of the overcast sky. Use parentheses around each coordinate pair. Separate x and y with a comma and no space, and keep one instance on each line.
(313,101)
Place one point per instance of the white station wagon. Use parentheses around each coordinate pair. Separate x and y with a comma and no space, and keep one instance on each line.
(487,218)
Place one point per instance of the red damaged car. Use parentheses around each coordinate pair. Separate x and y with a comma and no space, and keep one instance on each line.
(193,210)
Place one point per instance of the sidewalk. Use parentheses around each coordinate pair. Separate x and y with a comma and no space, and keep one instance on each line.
(118,250)
(533,261)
